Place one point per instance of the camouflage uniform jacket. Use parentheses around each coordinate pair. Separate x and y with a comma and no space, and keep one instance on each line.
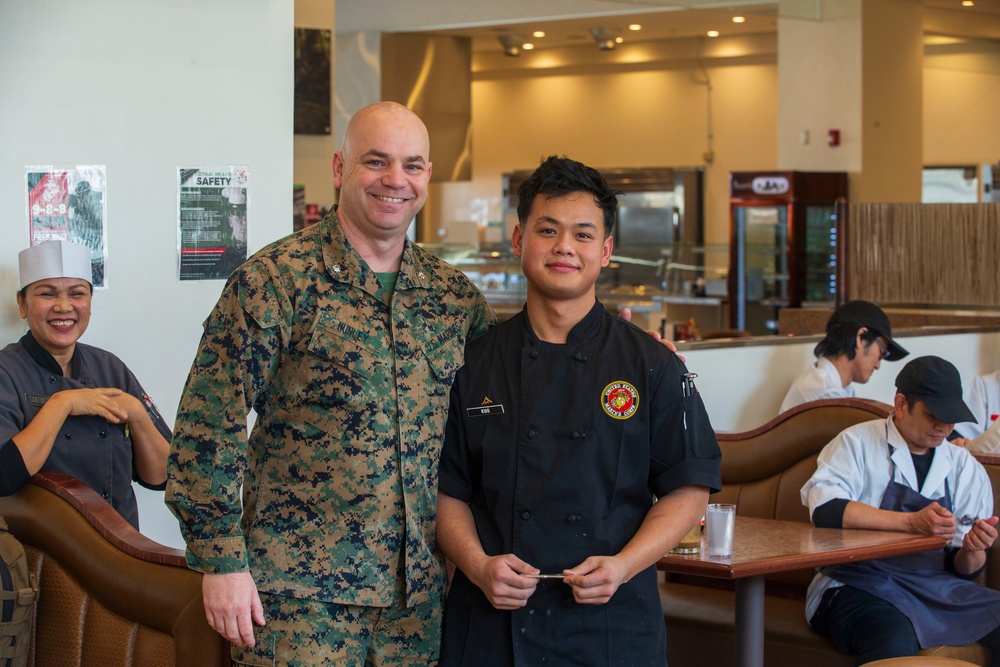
(340,471)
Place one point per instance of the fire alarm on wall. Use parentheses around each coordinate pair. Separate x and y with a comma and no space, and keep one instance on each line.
(833,138)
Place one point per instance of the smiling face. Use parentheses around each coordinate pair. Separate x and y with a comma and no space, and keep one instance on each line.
(57,311)
(921,431)
(382,171)
(562,246)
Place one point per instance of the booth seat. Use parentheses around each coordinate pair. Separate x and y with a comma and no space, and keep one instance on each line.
(108,596)
(763,471)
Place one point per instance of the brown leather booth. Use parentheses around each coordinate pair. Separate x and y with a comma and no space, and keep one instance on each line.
(108,595)
(763,471)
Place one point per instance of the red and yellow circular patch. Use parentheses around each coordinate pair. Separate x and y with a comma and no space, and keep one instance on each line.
(620,400)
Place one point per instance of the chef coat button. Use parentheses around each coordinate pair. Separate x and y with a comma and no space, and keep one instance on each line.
(52,379)
(574,435)
(533,354)
(582,435)
(102,434)
(525,515)
(69,436)
(104,495)
(573,517)
(580,356)
(532,433)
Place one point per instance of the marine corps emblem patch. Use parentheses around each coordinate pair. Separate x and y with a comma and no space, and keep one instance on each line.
(620,400)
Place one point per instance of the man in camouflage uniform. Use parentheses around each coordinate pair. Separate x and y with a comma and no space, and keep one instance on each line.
(344,339)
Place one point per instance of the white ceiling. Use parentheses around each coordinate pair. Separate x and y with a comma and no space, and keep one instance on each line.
(568,22)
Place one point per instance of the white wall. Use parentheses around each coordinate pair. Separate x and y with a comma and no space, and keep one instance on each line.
(743,387)
(144,86)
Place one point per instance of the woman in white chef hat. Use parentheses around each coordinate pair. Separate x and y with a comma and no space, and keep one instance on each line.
(68,406)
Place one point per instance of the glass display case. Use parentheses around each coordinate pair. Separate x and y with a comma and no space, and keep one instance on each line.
(785,244)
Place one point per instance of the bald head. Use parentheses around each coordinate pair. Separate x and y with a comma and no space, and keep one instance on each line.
(382,172)
(383,116)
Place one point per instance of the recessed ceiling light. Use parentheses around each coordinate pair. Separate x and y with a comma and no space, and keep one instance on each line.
(619,40)
(527,46)
(968,3)
(713,33)
(739,19)
(634,27)
(538,33)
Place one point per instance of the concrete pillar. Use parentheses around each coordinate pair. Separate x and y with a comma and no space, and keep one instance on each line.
(854,66)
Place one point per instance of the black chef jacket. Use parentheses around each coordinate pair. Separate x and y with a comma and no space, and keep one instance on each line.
(560,450)
(89,448)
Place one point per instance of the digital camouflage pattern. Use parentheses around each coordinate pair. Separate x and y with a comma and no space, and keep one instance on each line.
(340,472)
(306,633)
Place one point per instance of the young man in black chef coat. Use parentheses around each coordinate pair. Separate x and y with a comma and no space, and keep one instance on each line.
(566,425)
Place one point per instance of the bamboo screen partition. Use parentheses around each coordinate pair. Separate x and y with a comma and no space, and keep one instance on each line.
(926,254)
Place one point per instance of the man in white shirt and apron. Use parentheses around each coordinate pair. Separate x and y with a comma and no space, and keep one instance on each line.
(900,474)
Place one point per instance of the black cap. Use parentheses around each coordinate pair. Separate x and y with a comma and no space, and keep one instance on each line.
(937,383)
(867,314)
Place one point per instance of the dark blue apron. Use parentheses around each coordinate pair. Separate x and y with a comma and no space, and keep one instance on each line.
(943,608)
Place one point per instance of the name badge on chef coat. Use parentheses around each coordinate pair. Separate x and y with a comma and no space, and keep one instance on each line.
(487,408)
(36,399)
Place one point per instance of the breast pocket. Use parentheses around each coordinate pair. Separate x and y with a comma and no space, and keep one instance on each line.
(339,375)
(445,354)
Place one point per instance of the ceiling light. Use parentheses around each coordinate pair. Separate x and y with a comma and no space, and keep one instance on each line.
(634,27)
(511,44)
(538,34)
(968,3)
(605,38)
(712,33)
(619,40)
(527,46)
(739,19)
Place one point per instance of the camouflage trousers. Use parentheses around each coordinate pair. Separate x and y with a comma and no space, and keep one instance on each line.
(301,633)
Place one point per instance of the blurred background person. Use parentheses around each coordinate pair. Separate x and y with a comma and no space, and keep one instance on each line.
(858,338)
(69,406)
(983,398)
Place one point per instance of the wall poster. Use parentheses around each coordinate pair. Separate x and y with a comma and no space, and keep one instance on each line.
(69,205)
(212,207)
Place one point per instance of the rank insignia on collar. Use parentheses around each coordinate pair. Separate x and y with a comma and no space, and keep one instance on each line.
(620,399)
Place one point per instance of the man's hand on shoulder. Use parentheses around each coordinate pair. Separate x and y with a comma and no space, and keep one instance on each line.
(232,606)
(626,315)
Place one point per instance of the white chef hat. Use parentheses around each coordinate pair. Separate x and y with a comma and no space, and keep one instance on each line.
(54,259)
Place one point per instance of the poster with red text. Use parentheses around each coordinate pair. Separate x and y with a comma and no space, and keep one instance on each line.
(212,206)
(69,205)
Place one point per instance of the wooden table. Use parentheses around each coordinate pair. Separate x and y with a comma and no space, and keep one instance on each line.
(765,546)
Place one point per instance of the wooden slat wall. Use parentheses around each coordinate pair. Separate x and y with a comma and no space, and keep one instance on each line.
(934,254)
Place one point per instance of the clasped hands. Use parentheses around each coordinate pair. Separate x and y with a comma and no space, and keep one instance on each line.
(507,582)
(938,521)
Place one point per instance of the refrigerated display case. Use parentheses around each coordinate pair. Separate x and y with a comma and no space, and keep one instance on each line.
(784,240)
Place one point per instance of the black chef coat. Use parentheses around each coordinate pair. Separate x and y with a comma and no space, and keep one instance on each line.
(560,450)
(89,448)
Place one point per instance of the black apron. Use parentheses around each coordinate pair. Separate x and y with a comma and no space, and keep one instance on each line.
(944,609)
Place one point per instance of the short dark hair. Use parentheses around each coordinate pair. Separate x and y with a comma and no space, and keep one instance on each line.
(557,176)
(911,400)
(840,339)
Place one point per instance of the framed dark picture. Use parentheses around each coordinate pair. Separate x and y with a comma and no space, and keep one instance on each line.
(312,81)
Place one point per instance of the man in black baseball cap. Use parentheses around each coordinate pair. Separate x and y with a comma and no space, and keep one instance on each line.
(900,474)
(858,338)
(938,384)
